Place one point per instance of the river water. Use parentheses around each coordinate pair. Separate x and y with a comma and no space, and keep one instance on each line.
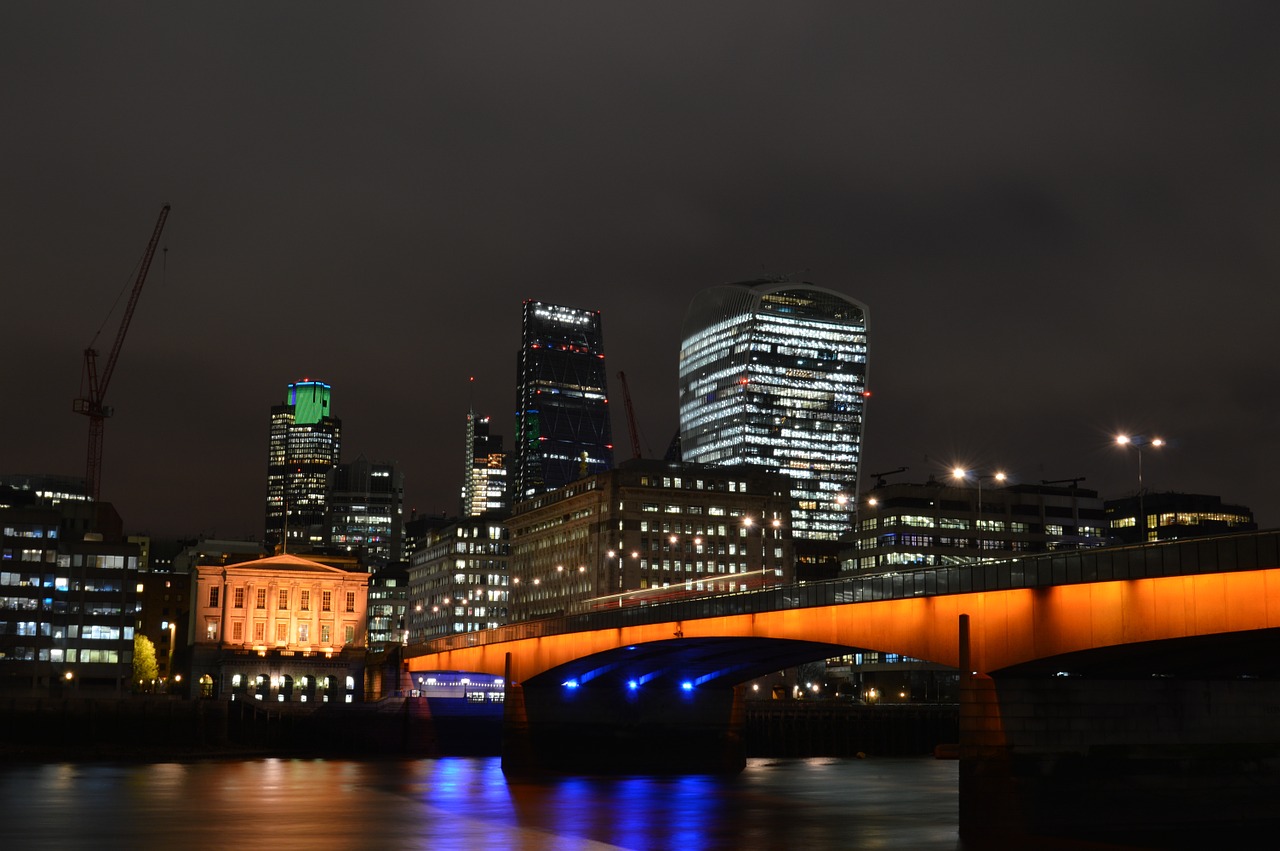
(460,803)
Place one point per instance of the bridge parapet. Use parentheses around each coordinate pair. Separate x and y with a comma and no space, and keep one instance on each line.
(1219,554)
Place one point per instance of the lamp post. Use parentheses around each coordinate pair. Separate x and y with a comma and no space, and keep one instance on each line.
(1137,441)
(962,474)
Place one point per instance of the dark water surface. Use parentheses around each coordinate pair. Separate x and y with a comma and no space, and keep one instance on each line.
(460,803)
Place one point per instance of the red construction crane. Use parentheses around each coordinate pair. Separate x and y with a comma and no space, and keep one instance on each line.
(631,416)
(93,386)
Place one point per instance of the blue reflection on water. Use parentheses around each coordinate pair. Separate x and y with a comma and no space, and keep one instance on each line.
(462,803)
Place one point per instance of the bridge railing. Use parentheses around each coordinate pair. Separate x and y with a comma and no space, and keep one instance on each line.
(1219,554)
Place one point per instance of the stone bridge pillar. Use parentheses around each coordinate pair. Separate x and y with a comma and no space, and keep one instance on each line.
(1154,762)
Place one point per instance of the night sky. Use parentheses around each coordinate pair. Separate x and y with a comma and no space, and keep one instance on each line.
(1063,218)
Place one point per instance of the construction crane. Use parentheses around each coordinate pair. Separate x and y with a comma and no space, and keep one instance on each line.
(93,385)
(631,415)
(879,477)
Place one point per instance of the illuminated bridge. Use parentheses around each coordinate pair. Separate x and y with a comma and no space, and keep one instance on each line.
(1087,676)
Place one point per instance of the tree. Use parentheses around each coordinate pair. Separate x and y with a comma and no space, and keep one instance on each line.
(145,668)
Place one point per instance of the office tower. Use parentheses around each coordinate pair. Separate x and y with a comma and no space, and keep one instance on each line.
(366,510)
(562,412)
(305,442)
(773,374)
(649,531)
(458,579)
(484,484)
(904,525)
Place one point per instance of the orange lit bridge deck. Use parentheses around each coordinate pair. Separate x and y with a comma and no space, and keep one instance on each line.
(1020,611)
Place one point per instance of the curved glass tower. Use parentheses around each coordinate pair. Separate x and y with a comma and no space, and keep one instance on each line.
(775,375)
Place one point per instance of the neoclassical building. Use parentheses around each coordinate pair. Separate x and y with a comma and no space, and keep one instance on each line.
(279,629)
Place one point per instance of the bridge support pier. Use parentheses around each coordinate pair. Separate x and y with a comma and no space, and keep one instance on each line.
(602,731)
(1167,761)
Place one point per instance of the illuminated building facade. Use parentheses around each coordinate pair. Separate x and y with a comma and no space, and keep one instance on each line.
(306,440)
(484,485)
(365,505)
(458,580)
(278,629)
(904,525)
(563,430)
(69,607)
(649,530)
(388,596)
(775,375)
(1170,516)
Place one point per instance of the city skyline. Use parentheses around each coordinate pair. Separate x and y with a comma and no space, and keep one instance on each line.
(1060,220)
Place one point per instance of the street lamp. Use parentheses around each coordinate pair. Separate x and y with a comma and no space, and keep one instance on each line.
(1137,441)
(962,474)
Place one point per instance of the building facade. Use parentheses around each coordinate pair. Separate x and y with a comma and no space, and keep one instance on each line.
(485,487)
(68,607)
(646,531)
(459,581)
(903,525)
(388,599)
(306,441)
(563,431)
(1169,516)
(365,505)
(774,375)
(278,629)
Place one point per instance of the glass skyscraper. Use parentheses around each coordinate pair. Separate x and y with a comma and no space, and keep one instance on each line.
(562,413)
(305,444)
(484,486)
(774,375)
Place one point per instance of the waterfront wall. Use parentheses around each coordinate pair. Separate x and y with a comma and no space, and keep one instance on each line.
(785,728)
(1146,761)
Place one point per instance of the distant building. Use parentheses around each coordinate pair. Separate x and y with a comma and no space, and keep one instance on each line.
(68,604)
(47,488)
(164,618)
(388,598)
(459,580)
(484,486)
(306,441)
(649,530)
(1174,515)
(563,431)
(774,375)
(938,523)
(279,629)
(366,510)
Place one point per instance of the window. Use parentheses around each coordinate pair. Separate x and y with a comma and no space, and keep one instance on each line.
(304,633)
(211,630)
(239,597)
(305,602)
(282,632)
(324,633)
(213,596)
(259,632)
(284,598)
(351,601)
(348,634)
(326,601)
(262,598)
(237,632)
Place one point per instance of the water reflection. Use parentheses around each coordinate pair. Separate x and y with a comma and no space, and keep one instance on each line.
(467,803)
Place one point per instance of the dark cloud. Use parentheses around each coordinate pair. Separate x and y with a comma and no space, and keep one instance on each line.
(1060,217)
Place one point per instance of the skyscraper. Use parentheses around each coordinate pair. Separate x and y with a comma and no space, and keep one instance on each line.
(562,412)
(774,374)
(484,486)
(366,510)
(305,445)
